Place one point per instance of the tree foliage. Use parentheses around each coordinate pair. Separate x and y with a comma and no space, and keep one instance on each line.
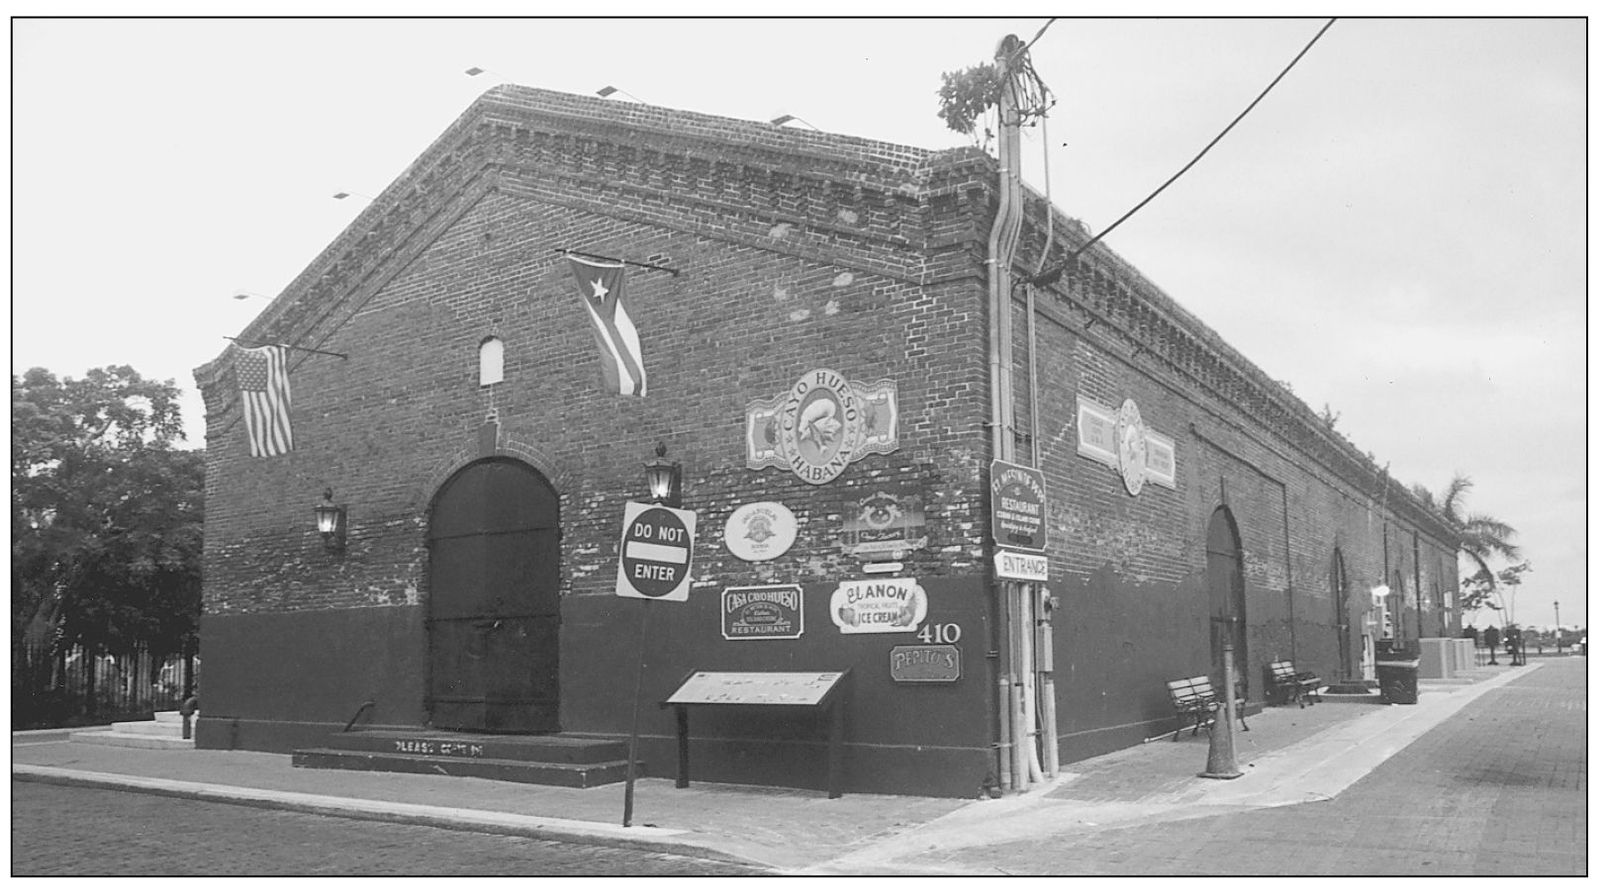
(106,513)
(965,97)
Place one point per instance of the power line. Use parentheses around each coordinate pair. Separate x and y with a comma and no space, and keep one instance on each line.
(1093,241)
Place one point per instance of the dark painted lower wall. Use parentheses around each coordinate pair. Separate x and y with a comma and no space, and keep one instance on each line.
(315,667)
(930,738)
(282,681)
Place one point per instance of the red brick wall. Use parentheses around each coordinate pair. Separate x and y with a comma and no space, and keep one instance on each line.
(1129,571)
(796,250)
(783,269)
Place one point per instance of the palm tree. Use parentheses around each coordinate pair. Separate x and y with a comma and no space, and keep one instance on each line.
(1480,536)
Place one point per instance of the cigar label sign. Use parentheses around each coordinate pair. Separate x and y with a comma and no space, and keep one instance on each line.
(884,526)
(771,612)
(822,423)
(878,606)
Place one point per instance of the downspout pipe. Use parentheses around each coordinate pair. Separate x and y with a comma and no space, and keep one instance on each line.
(1001,243)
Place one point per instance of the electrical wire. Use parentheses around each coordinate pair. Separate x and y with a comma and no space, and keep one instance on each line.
(1093,241)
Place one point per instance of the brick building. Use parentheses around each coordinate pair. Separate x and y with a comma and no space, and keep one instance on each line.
(484,468)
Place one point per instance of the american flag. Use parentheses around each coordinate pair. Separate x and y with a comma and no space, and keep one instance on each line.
(264,383)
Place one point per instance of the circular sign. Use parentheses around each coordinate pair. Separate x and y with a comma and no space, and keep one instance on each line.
(760,531)
(655,554)
(820,425)
(1131,444)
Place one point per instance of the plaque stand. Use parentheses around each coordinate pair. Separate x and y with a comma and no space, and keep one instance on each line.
(821,691)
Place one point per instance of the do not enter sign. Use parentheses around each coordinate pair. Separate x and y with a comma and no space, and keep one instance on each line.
(655,552)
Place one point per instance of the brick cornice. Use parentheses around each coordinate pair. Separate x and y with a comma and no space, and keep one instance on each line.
(496,131)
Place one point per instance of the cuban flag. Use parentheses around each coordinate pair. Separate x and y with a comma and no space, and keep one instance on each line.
(602,292)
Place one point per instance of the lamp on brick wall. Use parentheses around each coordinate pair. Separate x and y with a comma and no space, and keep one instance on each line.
(663,479)
(331,522)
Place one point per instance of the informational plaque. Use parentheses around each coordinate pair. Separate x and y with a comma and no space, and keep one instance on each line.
(755,688)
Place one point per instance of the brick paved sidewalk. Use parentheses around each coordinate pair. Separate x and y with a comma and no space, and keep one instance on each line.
(777,827)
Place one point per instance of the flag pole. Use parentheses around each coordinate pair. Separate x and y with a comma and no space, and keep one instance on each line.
(293,348)
(596,257)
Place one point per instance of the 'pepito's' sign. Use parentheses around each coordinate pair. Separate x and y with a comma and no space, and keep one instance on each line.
(822,423)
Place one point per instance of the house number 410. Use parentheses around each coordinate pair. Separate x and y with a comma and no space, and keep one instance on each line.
(948,633)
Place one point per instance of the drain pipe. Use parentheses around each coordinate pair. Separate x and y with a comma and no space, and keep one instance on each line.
(1013,761)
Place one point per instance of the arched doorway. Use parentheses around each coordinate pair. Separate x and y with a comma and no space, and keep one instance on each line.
(1228,604)
(493,600)
(1340,600)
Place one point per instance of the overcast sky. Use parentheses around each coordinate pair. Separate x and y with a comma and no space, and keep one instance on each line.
(1398,230)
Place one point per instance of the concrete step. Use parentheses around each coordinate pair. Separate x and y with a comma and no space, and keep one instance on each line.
(150,728)
(131,739)
(575,776)
(544,748)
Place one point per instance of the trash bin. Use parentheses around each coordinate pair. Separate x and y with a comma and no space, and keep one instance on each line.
(1397,680)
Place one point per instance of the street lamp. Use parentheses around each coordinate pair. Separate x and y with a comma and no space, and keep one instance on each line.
(331,522)
(609,90)
(784,119)
(663,479)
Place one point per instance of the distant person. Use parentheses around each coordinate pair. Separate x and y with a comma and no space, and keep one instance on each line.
(1490,639)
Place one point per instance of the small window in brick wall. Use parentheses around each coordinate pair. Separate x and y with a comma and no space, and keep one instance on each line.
(490,361)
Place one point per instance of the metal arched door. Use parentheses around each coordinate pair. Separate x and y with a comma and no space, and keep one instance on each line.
(493,600)
(1228,605)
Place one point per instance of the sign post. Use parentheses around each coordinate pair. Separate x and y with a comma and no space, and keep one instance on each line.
(654,564)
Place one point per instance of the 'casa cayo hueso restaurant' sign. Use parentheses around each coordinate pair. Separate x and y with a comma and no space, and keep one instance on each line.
(768,612)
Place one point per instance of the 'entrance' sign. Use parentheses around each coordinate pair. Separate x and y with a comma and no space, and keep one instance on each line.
(655,552)
(1021,566)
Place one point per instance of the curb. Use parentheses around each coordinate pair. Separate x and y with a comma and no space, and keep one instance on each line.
(653,839)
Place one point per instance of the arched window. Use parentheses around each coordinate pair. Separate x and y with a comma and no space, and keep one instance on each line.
(490,361)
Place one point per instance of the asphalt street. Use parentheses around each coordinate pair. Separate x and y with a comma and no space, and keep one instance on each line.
(75,831)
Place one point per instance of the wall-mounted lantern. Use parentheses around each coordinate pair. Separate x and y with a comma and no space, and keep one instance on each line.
(331,522)
(663,479)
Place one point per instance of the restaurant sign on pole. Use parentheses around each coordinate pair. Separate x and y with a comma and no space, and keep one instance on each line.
(655,552)
(1019,507)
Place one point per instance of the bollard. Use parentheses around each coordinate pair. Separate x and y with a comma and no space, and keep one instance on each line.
(1222,764)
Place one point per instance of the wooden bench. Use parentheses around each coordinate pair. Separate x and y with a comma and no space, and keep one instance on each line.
(1290,685)
(1195,700)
